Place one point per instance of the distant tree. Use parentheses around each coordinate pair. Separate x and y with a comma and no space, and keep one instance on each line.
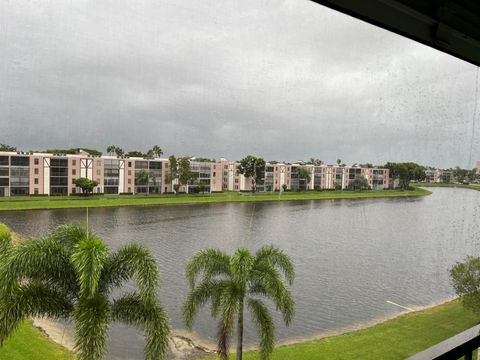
(172,175)
(119,152)
(149,154)
(304,176)
(142,177)
(235,283)
(157,150)
(406,172)
(86,185)
(339,161)
(466,282)
(185,174)
(111,149)
(316,162)
(254,168)
(135,153)
(461,175)
(202,188)
(367,165)
(360,183)
(5,147)
(73,151)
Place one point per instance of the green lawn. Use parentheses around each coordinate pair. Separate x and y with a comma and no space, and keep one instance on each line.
(393,339)
(463,186)
(27,203)
(28,343)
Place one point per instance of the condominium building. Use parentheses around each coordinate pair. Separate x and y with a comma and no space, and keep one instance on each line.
(55,174)
(439,176)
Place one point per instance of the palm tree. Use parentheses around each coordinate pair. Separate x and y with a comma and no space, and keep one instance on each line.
(71,274)
(231,282)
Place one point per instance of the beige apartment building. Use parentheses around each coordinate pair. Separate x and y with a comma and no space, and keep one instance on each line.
(55,174)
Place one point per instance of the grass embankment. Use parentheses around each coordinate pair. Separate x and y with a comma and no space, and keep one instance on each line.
(28,203)
(29,343)
(397,338)
(463,186)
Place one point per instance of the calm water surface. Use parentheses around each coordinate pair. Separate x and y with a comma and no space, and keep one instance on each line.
(351,256)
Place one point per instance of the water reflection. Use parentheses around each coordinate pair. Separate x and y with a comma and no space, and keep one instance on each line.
(351,256)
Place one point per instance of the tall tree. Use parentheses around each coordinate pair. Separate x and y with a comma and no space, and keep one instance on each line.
(111,149)
(253,168)
(119,151)
(135,153)
(6,147)
(71,274)
(157,150)
(406,172)
(303,175)
(231,283)
(172,175)
(185,174)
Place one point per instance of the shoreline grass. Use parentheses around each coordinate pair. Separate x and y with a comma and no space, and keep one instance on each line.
(32,203)
(461,186)
(29,343)
(397,338)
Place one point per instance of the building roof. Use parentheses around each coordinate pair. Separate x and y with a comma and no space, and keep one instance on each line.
(451,26)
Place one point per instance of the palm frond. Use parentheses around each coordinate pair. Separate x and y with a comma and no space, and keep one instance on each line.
(43,260)
(89,259)
(5,241)
(31,300)
(210,262)
(265,326)
(148,316)
(241,264)
(91,318)
(267,281)
(71,234)
(132,261)
(198,296)
(277,258)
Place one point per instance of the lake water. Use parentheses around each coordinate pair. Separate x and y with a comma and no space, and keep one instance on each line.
(351,256)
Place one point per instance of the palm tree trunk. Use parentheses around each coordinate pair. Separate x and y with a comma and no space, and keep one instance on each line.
(240,331)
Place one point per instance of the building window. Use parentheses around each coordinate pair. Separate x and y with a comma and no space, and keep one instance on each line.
(129,172)
(129,182)
(129,189)
(98,171)
(129,164)
(214,174)
(74,171)
(74,191)
(35,191)
(74,162)
(73,181)
(35,171)
(35,181)
(35,161)
(99,163)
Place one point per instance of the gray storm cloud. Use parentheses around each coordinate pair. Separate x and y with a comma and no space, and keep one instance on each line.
(282,79)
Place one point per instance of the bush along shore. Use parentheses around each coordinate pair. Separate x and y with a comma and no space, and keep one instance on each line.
(63,202)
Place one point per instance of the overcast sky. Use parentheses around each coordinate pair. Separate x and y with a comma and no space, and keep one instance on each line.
(284,80)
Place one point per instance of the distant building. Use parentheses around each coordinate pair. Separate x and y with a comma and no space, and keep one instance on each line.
(28,173)
(477,166)
(439,176)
